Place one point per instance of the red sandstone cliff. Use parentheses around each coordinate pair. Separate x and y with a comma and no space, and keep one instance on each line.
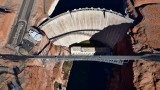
(146,35)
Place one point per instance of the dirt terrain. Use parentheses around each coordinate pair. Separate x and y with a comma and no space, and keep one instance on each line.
(38,13)
(7,19)
(47,75)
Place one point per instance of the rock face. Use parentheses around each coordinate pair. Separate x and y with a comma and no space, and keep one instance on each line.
(146,75)
(147,31)
(123,75)
(142,2)
(146,35)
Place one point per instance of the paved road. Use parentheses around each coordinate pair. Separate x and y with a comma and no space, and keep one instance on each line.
(108,59)
(72,32)
(21,23)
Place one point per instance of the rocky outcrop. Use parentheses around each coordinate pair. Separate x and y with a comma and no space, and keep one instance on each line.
(123,75)
(146,40)
(138,3)
(147,31)
(146,75)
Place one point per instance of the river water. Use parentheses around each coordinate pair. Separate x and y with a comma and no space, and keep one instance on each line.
(65,5)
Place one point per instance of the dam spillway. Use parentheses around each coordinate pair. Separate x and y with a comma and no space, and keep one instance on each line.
(83,24)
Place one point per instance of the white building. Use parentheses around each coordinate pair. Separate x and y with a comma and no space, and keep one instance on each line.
(78,50)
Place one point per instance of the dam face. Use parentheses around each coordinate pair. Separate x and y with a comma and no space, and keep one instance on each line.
(82,24)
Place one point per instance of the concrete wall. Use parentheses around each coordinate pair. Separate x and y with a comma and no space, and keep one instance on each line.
(83,19)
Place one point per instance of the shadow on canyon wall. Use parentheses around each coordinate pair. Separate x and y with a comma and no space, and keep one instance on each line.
(15,83)
(105,76)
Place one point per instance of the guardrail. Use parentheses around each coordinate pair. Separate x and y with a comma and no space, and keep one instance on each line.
(108,59)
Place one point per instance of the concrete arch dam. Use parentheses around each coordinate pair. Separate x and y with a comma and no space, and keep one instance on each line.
(75,26)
